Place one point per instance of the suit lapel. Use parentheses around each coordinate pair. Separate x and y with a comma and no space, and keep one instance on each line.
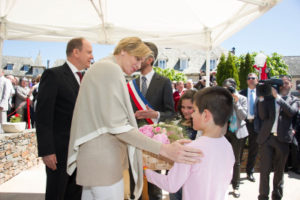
(69,77)
(137,80)
(152,86)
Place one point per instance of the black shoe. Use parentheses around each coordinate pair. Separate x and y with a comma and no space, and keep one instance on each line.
(250,177)
(236,193)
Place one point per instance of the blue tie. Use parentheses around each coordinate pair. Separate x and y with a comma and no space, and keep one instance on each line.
(251,103)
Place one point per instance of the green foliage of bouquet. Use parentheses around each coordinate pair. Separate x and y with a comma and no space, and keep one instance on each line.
(16,118)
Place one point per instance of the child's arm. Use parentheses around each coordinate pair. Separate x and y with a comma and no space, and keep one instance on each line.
(172,182)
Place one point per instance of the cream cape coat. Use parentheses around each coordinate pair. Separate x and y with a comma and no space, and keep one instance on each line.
(103,108)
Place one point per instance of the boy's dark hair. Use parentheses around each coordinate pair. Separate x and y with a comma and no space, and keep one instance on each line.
(188,94)
(218,101)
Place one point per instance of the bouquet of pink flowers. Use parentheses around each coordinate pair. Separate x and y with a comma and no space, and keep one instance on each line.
(164,133)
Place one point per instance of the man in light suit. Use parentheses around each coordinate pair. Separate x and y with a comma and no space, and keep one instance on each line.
(4,97)
(56,99)
(237,131)
(251,121)
(276,113)
(159,95)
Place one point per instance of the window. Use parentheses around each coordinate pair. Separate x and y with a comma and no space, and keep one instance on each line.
(183,64)
(25,68)
(212,64)
(162,63)
(9,67)
(36,71)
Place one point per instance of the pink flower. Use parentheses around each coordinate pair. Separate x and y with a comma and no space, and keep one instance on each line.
(147,130)
(157,129)
(161,138)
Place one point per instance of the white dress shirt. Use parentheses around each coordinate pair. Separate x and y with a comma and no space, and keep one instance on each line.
(74,70)
(149,77)
(277,109)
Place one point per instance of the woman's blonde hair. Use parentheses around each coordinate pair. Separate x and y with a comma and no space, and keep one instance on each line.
(134,46)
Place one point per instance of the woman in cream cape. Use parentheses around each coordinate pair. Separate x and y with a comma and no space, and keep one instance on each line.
(104,132)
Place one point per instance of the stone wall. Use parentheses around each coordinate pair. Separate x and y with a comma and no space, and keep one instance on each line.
(18,151)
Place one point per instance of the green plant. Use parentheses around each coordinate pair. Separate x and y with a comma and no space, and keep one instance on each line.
(276,65)
(220,70)
(227,69)
(246,67)
(171,74)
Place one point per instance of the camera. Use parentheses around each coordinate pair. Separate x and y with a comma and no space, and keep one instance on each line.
(231,89)
(264,87)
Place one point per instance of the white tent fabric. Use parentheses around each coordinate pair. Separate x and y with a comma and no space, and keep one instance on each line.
(200,24)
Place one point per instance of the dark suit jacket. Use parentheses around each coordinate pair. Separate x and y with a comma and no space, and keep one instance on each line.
(257,121)
(266,109)
(56,98)
(159,95)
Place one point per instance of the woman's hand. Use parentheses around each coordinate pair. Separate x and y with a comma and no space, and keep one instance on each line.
(180,153)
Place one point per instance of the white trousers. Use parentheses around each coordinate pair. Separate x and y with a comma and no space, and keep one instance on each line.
(3,119)
(112,192)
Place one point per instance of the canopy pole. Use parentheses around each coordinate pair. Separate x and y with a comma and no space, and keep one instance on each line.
(101,16)
(208,51)
(207,68)
(1,42)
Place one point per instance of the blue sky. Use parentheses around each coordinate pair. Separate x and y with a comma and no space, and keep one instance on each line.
(276,31)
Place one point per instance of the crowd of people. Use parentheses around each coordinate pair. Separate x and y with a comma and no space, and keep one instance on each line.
(14,93)
(87,128)
(269,124)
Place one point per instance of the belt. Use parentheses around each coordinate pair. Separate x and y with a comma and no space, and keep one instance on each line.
(274,133)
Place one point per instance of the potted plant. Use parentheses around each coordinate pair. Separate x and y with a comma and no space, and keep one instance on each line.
(15,125)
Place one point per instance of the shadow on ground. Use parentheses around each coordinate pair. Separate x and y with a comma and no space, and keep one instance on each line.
(21,196)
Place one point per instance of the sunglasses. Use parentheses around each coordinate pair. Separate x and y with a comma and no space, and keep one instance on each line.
(251,78)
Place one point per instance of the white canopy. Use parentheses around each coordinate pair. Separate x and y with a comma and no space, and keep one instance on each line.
(201,24)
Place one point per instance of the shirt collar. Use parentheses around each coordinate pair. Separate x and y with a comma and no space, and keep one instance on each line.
(149,75)
(249,90)
(72,67)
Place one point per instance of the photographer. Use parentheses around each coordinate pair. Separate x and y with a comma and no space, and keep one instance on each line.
(276,112)
(237,131)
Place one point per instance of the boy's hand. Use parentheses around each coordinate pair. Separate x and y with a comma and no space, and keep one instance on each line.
(180,153)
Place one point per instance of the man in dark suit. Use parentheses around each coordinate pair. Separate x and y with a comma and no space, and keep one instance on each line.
(158,92)
(276,113)
(56,99)
(250,94)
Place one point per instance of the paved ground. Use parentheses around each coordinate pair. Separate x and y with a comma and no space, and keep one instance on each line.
(30,185)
